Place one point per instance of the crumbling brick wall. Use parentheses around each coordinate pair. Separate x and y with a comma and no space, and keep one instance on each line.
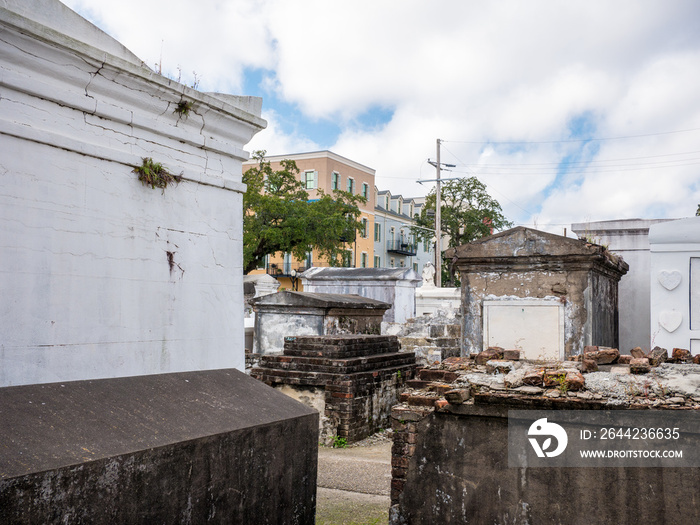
(353,380)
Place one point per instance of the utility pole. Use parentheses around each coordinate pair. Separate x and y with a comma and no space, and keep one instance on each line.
(438,227)
(438,210)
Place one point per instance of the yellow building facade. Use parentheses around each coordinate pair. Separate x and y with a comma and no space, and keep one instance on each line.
(327,171)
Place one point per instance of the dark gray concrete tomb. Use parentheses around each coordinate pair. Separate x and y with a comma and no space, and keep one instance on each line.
(196,447)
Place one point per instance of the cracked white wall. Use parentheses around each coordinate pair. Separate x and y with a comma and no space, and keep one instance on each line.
(101,276)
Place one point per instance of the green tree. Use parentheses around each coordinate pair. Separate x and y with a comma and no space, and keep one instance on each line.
(468,213)
(279,217)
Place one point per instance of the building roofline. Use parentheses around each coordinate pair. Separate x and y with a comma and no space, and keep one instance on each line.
(379,209)
(323,154)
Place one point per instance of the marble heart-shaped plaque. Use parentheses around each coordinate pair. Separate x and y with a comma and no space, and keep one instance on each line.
(670,320)
(670,280)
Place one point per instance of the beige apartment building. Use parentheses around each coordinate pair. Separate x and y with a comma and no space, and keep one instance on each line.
(327,171)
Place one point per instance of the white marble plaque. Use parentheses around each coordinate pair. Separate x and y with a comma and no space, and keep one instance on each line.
(533,326)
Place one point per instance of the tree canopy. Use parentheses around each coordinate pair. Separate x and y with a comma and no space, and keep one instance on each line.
(279,217)
(468,213)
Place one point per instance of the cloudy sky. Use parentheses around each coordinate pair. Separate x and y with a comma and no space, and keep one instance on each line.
(569,111)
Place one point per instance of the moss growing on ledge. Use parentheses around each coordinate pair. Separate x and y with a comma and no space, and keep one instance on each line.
(153,174)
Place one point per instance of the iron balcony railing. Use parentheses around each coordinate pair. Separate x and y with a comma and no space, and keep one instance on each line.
(401,247)
(284,270)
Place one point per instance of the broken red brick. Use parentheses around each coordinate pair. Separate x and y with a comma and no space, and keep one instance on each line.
(696,359)
(457,396)
(574,381)
(681,354)
(533,378)
(511,355)
(637,352)
(605,356)
(421,401)
(589,349)
(440,388)
(499,366)
(429,374)
(554,377)
(455,363)
(589,365)
(449,376)
(657,355)
(342,395)
(441,403)
(417,383)
(409,414)
(489,354)
(625,359)
(640,365)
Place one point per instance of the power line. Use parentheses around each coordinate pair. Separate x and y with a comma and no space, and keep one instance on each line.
(573,166)
(567,141)
(485,170)
(470,172)
(620,159)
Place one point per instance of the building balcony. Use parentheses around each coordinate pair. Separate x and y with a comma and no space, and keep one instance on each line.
(284,270)
(401,248)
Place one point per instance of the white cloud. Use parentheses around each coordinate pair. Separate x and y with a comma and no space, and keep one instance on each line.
(276,142)
(465,72)
(214,38)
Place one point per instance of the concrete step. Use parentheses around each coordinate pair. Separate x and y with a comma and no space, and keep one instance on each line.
(431,375)
(336,365)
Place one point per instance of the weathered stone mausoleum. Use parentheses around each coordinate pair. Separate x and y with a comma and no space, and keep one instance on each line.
(544,294)
(284,314)
(396,286)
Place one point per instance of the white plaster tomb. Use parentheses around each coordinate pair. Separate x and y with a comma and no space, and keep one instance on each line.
(100,275)
(675,284)
(628,238)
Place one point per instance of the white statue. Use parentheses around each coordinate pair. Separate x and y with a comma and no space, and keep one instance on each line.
(428,275)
